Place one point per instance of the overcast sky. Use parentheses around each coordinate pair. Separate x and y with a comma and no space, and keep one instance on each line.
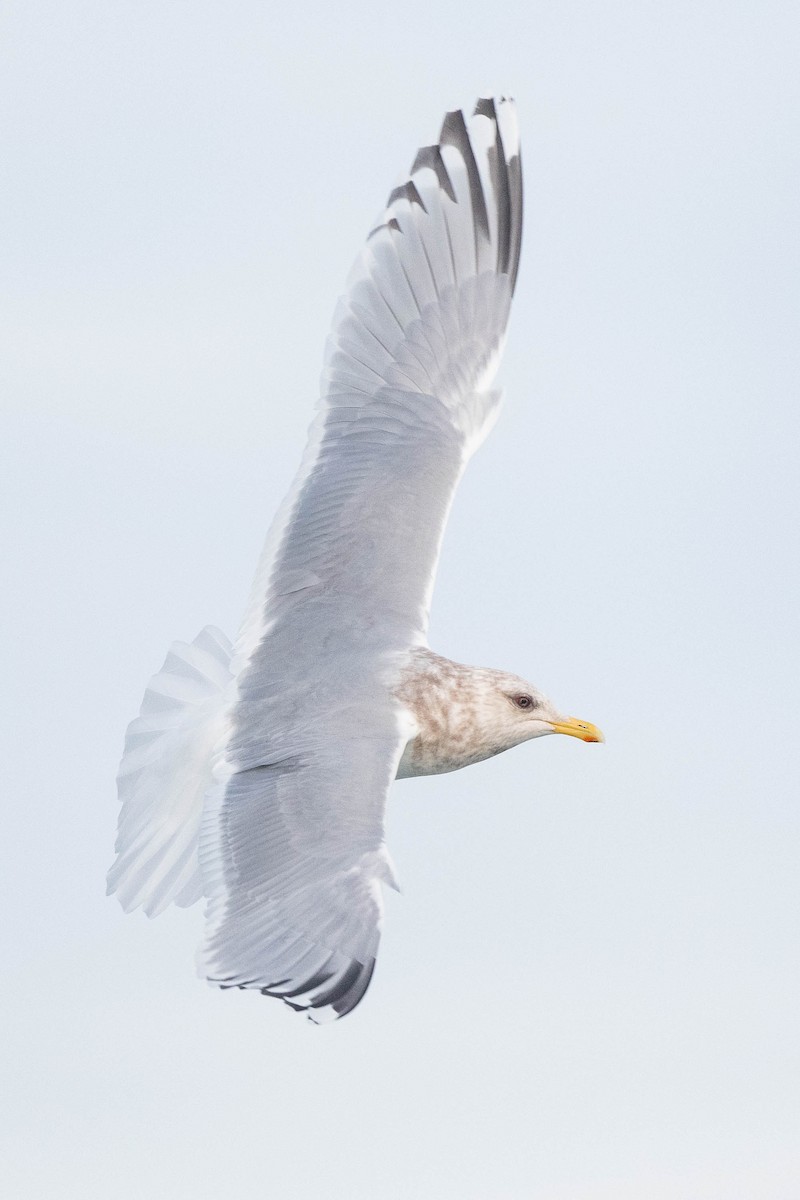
(589,987)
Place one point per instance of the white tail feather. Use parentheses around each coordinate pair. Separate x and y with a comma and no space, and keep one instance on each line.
(165,772)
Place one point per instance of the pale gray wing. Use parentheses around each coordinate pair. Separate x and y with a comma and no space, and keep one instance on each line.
(292,846)
(293,858)
(413,349)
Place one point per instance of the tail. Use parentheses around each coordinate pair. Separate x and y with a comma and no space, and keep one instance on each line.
(165,772)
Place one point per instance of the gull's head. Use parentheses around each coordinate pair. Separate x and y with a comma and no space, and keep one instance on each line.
(516,711)
(461,715)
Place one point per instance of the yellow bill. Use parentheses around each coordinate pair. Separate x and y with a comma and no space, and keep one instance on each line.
(579,729)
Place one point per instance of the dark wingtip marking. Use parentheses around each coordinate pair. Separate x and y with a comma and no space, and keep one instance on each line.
(485,107)
(406,191)
(431,156)
(355,994)
(294,1007)
(454,133)
(392,223)
(342,995)
(515,186)
(269,990)
(226,982)
(498,172)
(308,985)
(341,987)
(506,176)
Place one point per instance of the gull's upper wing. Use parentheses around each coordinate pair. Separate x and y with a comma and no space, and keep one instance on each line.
(414,346)
(292,842)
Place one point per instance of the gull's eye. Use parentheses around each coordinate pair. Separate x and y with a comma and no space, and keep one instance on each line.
(524,701)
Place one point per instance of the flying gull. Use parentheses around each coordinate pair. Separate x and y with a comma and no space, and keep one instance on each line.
(256,774)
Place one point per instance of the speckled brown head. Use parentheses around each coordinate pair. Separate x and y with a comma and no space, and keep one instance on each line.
(461,715)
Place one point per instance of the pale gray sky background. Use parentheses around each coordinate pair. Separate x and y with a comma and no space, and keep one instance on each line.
(589,989)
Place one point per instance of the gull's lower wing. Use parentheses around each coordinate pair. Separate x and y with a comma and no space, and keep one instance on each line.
(292,847)
(293,859)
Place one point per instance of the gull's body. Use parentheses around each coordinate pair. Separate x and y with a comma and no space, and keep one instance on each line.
(256,774)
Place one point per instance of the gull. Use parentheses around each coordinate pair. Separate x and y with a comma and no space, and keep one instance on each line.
(256,774)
